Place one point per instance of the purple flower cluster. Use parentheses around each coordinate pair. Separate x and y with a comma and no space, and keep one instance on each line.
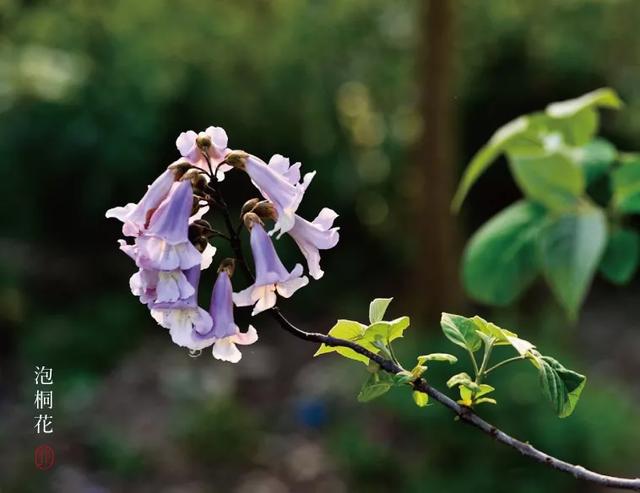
(170,257)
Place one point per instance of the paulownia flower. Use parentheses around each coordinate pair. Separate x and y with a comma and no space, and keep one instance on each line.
(157,286)
(314,236)
(278,182)
(225,331)
(271,274)
(165,244)
(188,324)
(136,216)
(213,141)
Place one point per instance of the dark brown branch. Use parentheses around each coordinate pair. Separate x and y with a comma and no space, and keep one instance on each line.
(463,412)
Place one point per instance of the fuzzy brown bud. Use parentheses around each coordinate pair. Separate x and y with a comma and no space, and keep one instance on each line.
(250,219)
(248,206)
(228,265)
(203,141)
(265,210)
(237,159)
(200,242)
(179,168)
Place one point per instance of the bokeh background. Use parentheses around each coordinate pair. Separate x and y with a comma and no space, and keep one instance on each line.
(387,101)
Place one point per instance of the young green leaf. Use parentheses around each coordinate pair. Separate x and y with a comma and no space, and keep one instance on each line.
(466,396)
(571,247)
(485,400)
(500,260)
(552,180)
(595,158)
(420,398)
(351,331)
(561,386)
(387,331)
(459,379)
(377,309)
(487,154)
(449,358)
(374,387)
(461,331)
(626,187)
(603,98)
(484,390)
(620,259)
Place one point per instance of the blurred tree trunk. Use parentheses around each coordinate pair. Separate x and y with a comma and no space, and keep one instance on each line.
(436,284)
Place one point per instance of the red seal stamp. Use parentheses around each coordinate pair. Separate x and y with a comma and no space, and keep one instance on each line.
(44,457)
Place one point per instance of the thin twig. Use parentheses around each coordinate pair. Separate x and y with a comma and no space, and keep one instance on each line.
(463,412)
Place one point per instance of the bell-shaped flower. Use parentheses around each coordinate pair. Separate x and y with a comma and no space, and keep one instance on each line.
(136,217)
(188,324)
(314,236)
(165,244)
(224,330)
(278,182)
(157,286)
(271,275)
(213,141)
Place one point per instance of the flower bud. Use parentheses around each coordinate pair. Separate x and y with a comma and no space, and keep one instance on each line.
(248,206)
(198,180)
(203,141)
(228,265)
(265,210)
(237,159)
(250,219)
(179,168)
(200,243)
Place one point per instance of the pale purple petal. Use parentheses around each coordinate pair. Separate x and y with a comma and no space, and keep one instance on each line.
(269,267)
(207,256)
(171,220)
(275,187)
(221,308)
(186,144)
(136,216)
(226,350)
(246,338)
(287,288)
(314,236)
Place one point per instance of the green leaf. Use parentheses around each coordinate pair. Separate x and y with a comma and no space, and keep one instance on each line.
(620,259)
(561,386)
(351,331)
(374,387)
(575,119)
(486,155)
(461,331)
(449,358)
(486,400)
(466,396)
(500,260)
(570,250)
(420,398)
(504,337)
(501,336)
(459,379)
(595,158)
(484,390)
(604,98)
(386,331)
(626,188)
(377,309)
(402,378)
(553,180)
